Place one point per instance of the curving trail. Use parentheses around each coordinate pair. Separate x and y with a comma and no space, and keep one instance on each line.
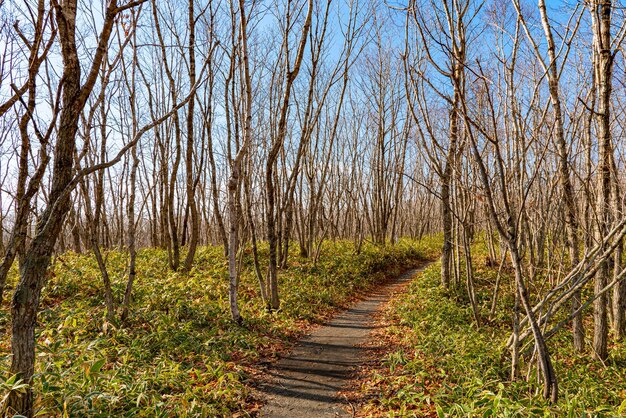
(306,382)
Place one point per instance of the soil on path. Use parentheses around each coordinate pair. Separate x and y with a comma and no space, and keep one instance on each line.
(306,382)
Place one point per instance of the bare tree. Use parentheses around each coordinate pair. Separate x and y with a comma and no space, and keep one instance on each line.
(37,256)
(291,72)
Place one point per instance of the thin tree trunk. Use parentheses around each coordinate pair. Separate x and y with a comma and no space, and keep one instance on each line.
(603,60)
(191,189)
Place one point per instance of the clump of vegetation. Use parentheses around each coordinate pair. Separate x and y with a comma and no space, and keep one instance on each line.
(179,354)
(439,363)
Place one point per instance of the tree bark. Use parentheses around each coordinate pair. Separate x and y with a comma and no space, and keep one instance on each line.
(603,61)
(37,257)
(191,189)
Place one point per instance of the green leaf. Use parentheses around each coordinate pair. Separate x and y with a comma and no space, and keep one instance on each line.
(97,366)
(440,412)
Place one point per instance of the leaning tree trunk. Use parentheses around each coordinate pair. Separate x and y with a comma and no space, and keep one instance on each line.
(37,258)
(25,193)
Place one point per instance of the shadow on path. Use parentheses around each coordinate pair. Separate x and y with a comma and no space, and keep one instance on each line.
(306,382)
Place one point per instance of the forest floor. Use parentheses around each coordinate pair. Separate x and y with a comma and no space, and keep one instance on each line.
(427,358)
(179,354)
(309,380)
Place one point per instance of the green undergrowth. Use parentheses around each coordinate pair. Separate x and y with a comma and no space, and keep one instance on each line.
(442,364)
(179,354)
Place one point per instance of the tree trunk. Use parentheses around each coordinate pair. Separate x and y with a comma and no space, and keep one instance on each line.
(191,189)
(571,221)
(603,60)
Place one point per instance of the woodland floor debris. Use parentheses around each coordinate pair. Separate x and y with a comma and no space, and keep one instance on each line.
(307,382)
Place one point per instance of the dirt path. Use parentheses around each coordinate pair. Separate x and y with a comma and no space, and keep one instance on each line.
(306,382)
